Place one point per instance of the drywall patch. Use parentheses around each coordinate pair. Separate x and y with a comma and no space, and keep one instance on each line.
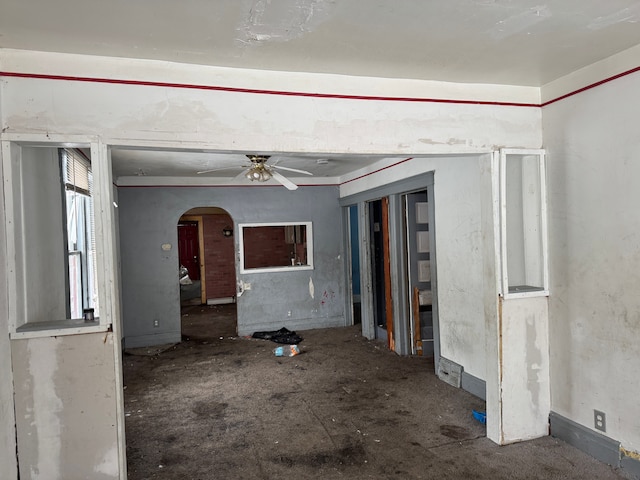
(520,22)
(269,21)
(626,15)
(47,407)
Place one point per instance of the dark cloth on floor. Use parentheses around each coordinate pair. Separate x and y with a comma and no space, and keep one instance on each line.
(283,336)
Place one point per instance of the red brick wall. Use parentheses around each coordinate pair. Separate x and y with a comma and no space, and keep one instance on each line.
(219,257)
(265,247)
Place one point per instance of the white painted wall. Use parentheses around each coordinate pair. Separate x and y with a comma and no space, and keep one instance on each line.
(256,122)
(8,458)
(190,118)
(458,252)
(524,389)
(593,164)
(44,292)
(66,418)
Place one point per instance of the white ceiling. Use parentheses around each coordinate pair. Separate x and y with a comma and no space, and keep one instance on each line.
(149,163)
(517,42)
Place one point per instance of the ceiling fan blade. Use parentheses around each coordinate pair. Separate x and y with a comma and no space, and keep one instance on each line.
(284,181)
(240,176)
(220,168)
(291,169)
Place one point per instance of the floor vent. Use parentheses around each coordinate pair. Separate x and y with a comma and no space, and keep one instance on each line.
(450,372)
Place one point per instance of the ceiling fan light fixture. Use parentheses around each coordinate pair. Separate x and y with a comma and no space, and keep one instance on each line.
(265,175)
(258,173)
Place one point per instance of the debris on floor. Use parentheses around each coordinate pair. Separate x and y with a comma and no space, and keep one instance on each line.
(480,416)
(283,335)
(286,351)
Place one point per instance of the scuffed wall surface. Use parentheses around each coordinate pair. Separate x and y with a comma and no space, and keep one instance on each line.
(594,237)
(459,263)
(250,122)
(8,460)
(148,219)
(458,251)
(66,407)
(525,369)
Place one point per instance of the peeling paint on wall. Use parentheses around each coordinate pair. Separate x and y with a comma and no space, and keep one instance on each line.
(267,21)
(533,360)
(311,288)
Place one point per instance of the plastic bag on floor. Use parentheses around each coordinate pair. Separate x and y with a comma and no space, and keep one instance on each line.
(184,276)
(280,336)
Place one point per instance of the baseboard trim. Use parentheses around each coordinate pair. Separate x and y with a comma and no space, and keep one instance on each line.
(474,385)
(221,300)
(151,340)
(630,465)
(592,443)
(291,324)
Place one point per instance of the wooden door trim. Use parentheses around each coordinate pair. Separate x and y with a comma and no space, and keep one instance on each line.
(387,274)
(203,278)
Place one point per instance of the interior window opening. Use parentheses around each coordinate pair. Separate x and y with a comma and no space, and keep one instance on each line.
(80,232)
(523,223)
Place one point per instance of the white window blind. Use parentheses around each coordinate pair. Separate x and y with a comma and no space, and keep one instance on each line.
(77,171)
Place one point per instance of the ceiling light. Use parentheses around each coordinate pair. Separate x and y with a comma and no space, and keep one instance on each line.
(258,172)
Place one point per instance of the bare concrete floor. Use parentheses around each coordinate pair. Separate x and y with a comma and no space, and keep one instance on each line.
(218,406)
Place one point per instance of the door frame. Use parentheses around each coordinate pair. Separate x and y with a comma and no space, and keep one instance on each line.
(203,279)
(397,259)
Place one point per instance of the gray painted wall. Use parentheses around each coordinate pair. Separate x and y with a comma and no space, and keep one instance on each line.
(150,290)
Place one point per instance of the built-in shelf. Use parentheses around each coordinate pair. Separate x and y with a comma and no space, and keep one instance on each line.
(57,328)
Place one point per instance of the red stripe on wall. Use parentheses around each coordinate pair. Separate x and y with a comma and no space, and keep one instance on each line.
(593,85)
(308,94)
(261,91)
(312,95)
(376,171)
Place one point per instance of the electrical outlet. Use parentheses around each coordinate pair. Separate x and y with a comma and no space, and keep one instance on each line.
(600,420)
(289,313)
(156,323)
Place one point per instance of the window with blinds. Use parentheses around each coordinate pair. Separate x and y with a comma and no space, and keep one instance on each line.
(77,171)
(81,241)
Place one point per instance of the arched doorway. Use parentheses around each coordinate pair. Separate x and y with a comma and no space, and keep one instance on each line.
(207,273)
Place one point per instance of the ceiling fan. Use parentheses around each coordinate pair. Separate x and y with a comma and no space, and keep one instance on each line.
(258,170)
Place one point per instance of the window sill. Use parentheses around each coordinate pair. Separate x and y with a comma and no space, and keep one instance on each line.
(525,291)
(58,328)
(285,268)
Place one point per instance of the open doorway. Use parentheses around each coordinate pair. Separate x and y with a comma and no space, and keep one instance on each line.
(381,271)
(354,249)
(191,272)
(396,247)
(419,277)
(207,274)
